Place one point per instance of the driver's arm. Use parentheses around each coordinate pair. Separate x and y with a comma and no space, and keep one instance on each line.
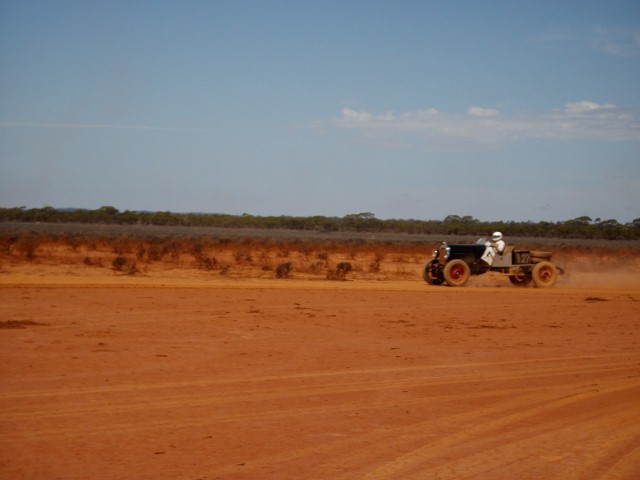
(499,246)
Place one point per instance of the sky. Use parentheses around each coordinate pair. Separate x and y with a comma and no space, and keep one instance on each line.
(502,110)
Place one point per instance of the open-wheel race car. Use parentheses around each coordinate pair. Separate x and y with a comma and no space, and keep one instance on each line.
(454,264)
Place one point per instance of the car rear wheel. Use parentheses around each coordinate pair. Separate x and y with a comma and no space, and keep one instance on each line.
(544,274)
(456,273)
(432,274)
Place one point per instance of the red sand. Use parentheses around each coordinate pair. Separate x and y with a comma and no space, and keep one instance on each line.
(267,379)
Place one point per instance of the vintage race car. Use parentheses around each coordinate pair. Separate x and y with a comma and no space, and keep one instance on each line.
(454,264)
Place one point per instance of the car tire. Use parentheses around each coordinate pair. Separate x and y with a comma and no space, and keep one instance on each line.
(544,274)
(432,275)
(456,273)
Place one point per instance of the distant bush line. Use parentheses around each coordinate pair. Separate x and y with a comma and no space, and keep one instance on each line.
(578,228)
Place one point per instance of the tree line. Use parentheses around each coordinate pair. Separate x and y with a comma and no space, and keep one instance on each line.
(583,227)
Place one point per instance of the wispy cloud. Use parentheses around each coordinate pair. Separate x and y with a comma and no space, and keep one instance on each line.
(97,126)
(621,42)
(616,41)
(574,121)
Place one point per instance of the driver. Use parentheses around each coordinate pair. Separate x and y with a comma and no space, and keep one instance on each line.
(495,246)
(497,242)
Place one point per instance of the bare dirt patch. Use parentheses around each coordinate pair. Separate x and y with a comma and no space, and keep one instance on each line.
(178,374)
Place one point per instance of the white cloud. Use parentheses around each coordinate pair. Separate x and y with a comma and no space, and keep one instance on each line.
(616,41)
(582,120)
(621,42)
(364,117)
(481,112)
(586,106)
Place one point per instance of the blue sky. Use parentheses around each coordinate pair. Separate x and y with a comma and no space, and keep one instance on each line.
(503,110)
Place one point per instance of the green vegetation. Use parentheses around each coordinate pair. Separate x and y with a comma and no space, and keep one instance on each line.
(580,228)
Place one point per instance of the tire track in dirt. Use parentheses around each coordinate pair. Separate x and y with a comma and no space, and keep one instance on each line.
(413,463)
(515,406)
(123,398)
(555,444)
(505,406)
(235,382)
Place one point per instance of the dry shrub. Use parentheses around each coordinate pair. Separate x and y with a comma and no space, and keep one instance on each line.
(28,245)
(73,241)
(133,268)
(242,256)
(306,250)
(7,243)
(264,261)
(173,248)
(141,252)
(206,262)
(316,267)
(121,246)
(283,270)
(375,267)
(154,252)
(196,248)
(92,262)
(341,271)
(122,264)
(118,263)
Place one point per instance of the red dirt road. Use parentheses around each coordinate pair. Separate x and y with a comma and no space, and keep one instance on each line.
(302,381)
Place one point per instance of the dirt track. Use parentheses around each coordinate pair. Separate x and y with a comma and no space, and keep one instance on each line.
(304,380)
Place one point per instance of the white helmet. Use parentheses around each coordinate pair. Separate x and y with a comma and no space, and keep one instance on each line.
(496,236)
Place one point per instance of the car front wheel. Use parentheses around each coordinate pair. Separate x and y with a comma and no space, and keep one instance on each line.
(457,273)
